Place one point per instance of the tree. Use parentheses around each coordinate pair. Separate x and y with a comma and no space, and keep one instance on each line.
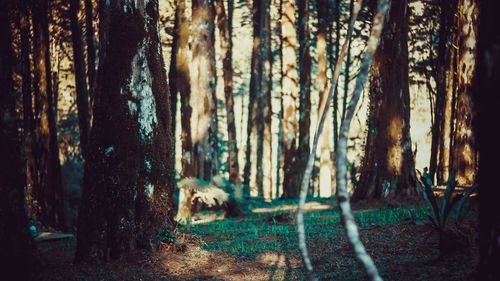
(305,86)
(89,39)
(326,165)
(128,189)
(258,157)
(180,81)
(226,45)
(203,99)
(487,102)
(388,167)
(463,158)
(453,141)
(82,94)
(17,255)
(290,95)
(46,190)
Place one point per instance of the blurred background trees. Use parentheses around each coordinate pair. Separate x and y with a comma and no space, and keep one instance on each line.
(245,80)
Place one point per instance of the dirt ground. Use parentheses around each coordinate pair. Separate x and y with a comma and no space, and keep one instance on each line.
(402,250)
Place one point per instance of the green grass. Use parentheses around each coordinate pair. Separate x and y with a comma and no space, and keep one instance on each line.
(260,233)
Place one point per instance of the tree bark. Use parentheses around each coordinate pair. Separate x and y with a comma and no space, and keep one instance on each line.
(290,95)
(82,94)
(203,97)
(91,50)
(47,187)
(181,80)
(486,103)
(463,158)
(226,49)
(305,86)
(388,167)
(128,194)
(17,255)
(326,172)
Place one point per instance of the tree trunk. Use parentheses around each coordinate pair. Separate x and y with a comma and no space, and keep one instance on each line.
(47,187)
(388,167)
(326,172)
(463,152)
(17,254)
(128,194)
(91,50)
(82,94)
(305,87)
(290,95)
(203,98)
(180,54)
(263,93)
(226,49)
(486,103)
(441,69)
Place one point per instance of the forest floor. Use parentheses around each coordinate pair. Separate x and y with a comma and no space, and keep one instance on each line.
(263,246)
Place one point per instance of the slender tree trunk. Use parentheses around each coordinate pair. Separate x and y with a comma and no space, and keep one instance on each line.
(180,54)
(82,94)
(326,172)
(290,95)
(203,98)
(305,86)
(90,41)
(128,194)
(28,113)
(336,16)
(17,254)
(487,103)
(443,60)
(388,168)
(226,49)
(47,188)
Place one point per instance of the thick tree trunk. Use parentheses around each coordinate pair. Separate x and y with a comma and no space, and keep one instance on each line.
(180,55)
(82,94)
(290,95)
(203,98)
(17,254)
(128,193)
(326,172)
(487,102)
(388,167)
(463,149)
(226,49)
(47,187)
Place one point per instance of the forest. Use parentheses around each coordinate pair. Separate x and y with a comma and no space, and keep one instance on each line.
(249,140)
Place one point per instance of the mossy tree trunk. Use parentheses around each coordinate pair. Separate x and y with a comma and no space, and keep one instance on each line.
(388,167)
(203,98)
(290,95)
(128,193)
(226,46)
(17,254)
(47,191)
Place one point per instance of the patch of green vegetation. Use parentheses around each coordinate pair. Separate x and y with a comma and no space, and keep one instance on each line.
(260,233)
